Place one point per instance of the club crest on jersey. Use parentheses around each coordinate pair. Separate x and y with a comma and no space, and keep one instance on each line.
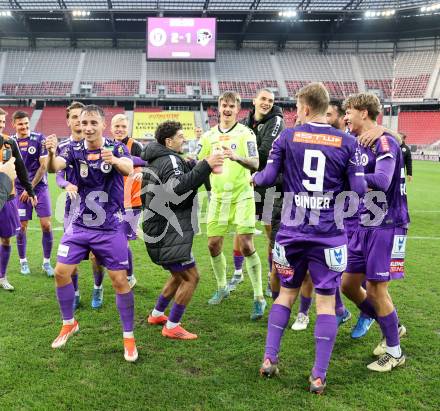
(83,170)
(364,159)
(32,150)
(106,167)
(260,126)
(120,150)
(336,258)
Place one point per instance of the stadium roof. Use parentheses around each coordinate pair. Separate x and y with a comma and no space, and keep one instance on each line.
(214,5)
(238,20)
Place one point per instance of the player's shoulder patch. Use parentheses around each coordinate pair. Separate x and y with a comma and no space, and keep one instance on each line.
(36,136)
(252,149)
(384,143)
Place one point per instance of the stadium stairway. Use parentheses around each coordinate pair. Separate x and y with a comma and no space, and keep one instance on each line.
(35,118)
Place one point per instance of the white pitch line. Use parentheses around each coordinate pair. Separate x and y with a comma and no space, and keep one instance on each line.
(423,238)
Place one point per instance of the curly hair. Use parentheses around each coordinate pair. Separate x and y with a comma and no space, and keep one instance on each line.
(167,129)
(364,101)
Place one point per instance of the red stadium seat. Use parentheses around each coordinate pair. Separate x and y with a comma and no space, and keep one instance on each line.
(414,125)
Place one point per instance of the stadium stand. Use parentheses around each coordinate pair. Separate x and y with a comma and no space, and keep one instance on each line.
(413,124)
(412,73)
(231,76)
(377,71)
(188,73)
(334,70)
(27,71)
(112,72)
(124,73)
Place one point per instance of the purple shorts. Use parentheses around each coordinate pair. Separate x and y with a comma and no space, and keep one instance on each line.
(43,207)
(378,252)
(350,225)
(325,258)
(131,222)
(109,247)
(179,267)
(9,221)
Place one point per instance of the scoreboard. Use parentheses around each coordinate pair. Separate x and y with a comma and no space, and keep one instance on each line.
(181,39)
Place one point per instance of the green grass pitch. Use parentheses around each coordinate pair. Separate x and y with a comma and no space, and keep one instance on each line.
(219,370)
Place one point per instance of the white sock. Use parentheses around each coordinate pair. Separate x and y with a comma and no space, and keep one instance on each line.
(128,334)
(170,325)
(129,277)
(238,272)
(76,293)
(46,260)
(69,322)
(156,313)
(395,351)
(23,260)
(97,287)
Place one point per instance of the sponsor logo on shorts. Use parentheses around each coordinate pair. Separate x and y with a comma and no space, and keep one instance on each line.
(124,262)
(397,266)
(336,258)
(384,274)
(63,250)
(22,212)
(32,150)
(399,247)
(284,271)
(279,254)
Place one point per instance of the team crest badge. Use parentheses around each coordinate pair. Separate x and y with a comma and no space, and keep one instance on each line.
(84,170)
(32,150)
(106,168)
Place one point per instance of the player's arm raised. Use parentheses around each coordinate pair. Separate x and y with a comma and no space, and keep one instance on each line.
(124,165)
(54,163)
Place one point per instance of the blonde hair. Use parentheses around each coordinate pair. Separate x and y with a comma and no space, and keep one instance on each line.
(316,96)
(119,117)
(230,96)
(364,101)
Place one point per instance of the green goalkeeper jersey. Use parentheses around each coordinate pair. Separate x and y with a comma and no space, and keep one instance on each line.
(234,181)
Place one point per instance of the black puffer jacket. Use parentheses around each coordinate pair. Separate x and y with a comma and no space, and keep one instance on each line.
(266,130)
(169,188)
